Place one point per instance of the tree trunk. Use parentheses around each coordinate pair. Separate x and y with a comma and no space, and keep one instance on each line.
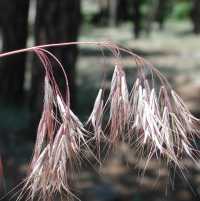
(122,10)
(56,21)
(137,17)
(162,11)
(195,16)
(14,22)
(113,12)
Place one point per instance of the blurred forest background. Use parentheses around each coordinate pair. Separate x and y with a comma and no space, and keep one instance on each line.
(166,32)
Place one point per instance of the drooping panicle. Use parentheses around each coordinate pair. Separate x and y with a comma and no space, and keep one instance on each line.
(153,117)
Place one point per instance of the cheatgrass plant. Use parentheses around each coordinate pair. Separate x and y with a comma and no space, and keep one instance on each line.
(151,118)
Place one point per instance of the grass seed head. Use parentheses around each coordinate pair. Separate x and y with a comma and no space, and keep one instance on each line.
(153,118)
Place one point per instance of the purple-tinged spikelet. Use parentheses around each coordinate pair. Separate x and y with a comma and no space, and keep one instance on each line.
(119,106)
(96,118)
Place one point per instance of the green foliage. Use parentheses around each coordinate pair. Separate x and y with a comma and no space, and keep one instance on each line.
(181,10)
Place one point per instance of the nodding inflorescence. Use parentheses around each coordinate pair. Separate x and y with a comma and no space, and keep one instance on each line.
(150,117)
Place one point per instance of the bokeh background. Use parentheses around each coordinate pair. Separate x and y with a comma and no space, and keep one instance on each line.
(166,32)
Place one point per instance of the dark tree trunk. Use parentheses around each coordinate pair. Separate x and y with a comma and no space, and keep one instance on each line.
(102,16)
(195,16)
(137,17)
(14,22)
(56,21)
(122,10)
(162,11)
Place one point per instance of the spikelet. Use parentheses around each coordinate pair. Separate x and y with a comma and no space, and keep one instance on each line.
(96,118)
(119,106)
